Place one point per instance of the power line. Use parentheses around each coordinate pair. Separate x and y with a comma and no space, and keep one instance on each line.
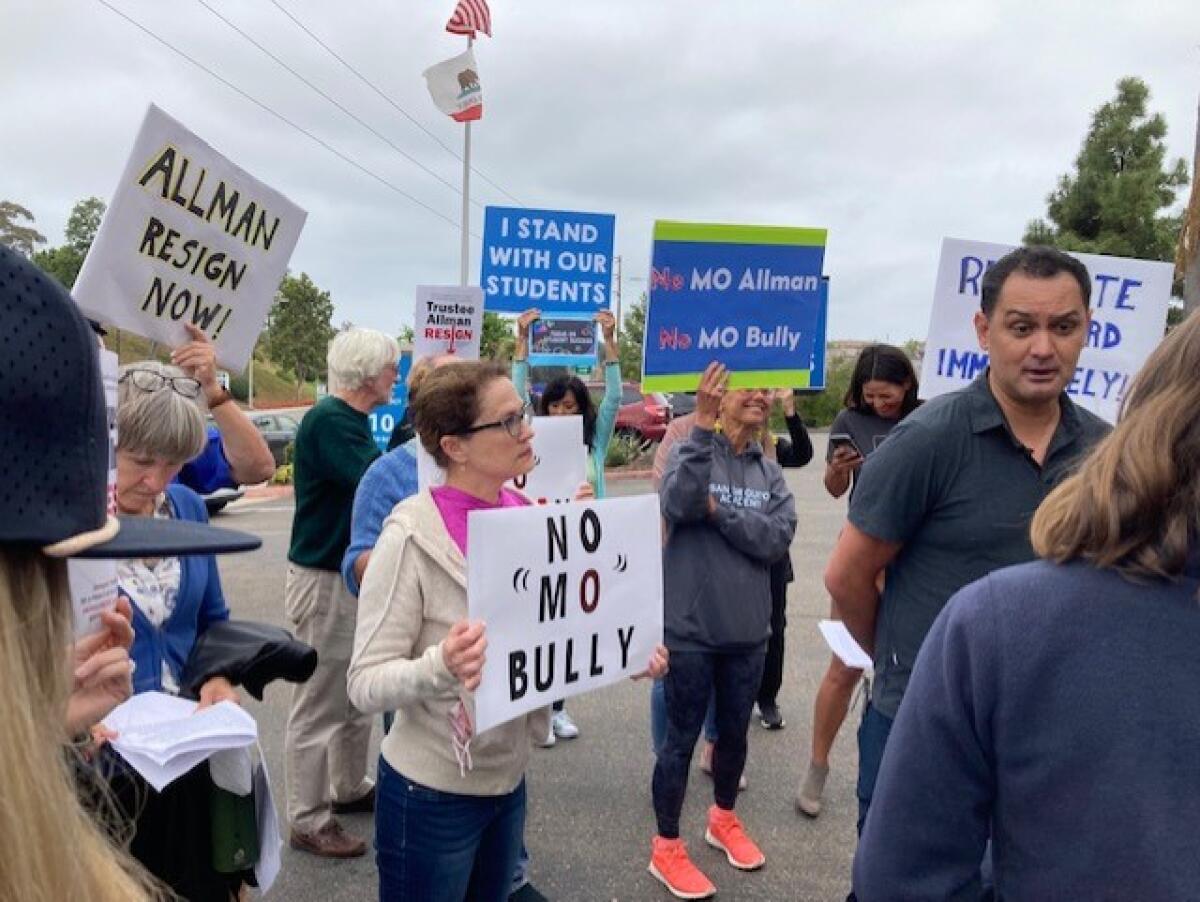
(399,109)
(382,137)
(265,108)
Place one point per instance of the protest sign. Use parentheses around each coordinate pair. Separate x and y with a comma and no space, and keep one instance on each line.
(385,417)
(93,584)
(448,319)
(554,260)
(751,297)
(1129,313)
(188,238)
(559,461)
(572,599)
(562,340)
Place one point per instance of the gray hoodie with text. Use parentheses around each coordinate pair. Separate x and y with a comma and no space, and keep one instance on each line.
(716,570)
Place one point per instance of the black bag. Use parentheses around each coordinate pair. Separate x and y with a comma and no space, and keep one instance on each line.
(247,654)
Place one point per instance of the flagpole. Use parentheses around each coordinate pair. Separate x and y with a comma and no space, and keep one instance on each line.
(466,197)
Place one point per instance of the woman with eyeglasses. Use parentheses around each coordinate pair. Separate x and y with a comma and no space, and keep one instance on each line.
(160,427)
(450,807)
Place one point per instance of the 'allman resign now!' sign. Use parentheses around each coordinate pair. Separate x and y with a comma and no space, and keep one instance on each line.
(1129,313)
(189,237)
(751,297)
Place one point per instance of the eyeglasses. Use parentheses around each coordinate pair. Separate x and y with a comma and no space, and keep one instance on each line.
(510,424)
(151,381)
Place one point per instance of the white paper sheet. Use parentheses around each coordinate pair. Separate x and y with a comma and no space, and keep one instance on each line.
(843,645)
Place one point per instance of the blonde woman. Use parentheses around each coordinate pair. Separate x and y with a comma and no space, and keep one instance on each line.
(53,436)
(1053,706)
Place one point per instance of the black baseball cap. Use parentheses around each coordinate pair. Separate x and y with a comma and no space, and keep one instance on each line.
(54,438)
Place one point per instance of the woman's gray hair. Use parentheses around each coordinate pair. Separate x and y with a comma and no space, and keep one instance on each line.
(357,355)
(162,423)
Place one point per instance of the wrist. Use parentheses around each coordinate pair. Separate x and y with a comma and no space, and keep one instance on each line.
(705,422)
(217,398)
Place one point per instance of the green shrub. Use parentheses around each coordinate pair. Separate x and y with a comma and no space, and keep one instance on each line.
(622,450)
(289,453)
(283,475)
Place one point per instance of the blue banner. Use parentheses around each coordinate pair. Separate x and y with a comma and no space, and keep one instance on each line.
(385,417)
(562,340)
(557,261)
(752,298)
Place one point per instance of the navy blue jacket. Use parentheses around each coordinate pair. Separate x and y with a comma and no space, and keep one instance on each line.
(1054,708)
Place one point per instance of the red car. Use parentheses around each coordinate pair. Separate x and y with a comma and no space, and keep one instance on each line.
(642,415)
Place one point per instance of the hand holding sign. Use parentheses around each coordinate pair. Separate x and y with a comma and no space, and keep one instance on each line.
(608,324)
(463,651)
(198,359)
(713,385)
(103,673)
(658,666)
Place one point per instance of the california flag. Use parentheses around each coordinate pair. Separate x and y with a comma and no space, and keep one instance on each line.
(454,86)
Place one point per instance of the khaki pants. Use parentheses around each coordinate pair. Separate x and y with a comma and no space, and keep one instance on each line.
(326,748)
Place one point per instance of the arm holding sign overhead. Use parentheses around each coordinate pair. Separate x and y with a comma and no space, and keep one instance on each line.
(685,487)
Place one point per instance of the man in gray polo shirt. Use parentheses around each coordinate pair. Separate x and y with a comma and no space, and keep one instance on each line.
(948,497)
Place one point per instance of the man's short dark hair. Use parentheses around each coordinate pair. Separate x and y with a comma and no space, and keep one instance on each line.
(1038,261)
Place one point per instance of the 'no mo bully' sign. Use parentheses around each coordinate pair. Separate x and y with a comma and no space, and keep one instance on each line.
(572,599)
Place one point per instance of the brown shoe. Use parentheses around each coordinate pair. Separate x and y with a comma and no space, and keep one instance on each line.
(362,805)
(331,841)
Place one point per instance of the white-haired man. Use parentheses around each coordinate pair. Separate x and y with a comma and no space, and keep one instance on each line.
(326,746)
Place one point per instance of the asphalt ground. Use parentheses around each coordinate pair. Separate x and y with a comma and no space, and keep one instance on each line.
(590,820)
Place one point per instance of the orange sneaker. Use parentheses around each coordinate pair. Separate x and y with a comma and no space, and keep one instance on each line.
(725,833)
(669,862)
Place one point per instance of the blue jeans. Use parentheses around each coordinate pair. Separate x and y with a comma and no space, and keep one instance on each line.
(658,717)
(873,735)
(433,846)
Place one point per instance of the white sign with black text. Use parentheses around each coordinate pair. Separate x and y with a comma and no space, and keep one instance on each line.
(572,596)
(448,319)
(559,461)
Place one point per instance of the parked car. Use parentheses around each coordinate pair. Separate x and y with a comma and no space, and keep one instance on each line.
(642,416)
(682,403)
(278,429)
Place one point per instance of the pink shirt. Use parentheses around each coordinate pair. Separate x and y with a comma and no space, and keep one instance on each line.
(455,505)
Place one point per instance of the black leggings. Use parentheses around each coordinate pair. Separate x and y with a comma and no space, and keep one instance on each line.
(693,677)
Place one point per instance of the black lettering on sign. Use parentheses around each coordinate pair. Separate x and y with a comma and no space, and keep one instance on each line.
(625,639)
(518,679)
(572,675)
(556,537)
(554,600)
(589,530)
(543,681)
(596,668)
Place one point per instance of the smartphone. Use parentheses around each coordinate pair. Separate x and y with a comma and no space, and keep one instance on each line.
(843,440)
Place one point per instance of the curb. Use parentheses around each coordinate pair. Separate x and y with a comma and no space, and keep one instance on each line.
(621,475)
(266,493)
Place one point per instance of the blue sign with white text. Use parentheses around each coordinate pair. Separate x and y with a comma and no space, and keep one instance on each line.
(753,298)
(384,418)
(557,261)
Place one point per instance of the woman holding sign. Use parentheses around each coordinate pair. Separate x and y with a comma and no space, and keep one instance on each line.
(568,396)
(729,516)
(882,392)
(450,808)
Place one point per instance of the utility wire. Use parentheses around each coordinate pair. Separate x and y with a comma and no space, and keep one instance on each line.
(382,137)
(399,109)
(329,147)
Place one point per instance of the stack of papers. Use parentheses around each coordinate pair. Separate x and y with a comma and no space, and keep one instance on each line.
(843,645)
(163,737)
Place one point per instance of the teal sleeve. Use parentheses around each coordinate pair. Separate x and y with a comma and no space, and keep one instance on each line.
(520,378)
(606,415)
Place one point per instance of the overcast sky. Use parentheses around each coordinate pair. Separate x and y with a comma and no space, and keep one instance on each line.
(890,124)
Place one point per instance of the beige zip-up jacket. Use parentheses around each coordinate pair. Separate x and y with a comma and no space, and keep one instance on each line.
(414,590)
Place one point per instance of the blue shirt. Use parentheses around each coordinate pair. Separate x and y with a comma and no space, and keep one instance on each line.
(1053,708)
(210,471)
(387,482)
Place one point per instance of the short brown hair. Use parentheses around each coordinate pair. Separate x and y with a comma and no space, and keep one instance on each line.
(448,402)
(1134,504)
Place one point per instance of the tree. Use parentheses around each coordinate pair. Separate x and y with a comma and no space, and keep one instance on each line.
(21,238)
(65,261)
(406,336)
(497,341)
(633,330)
(300,328)
(1111,204)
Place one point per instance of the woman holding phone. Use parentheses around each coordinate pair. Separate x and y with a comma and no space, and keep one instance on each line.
(882,392)
(568,396)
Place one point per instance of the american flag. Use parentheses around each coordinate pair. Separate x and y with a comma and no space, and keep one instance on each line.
(469,17)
